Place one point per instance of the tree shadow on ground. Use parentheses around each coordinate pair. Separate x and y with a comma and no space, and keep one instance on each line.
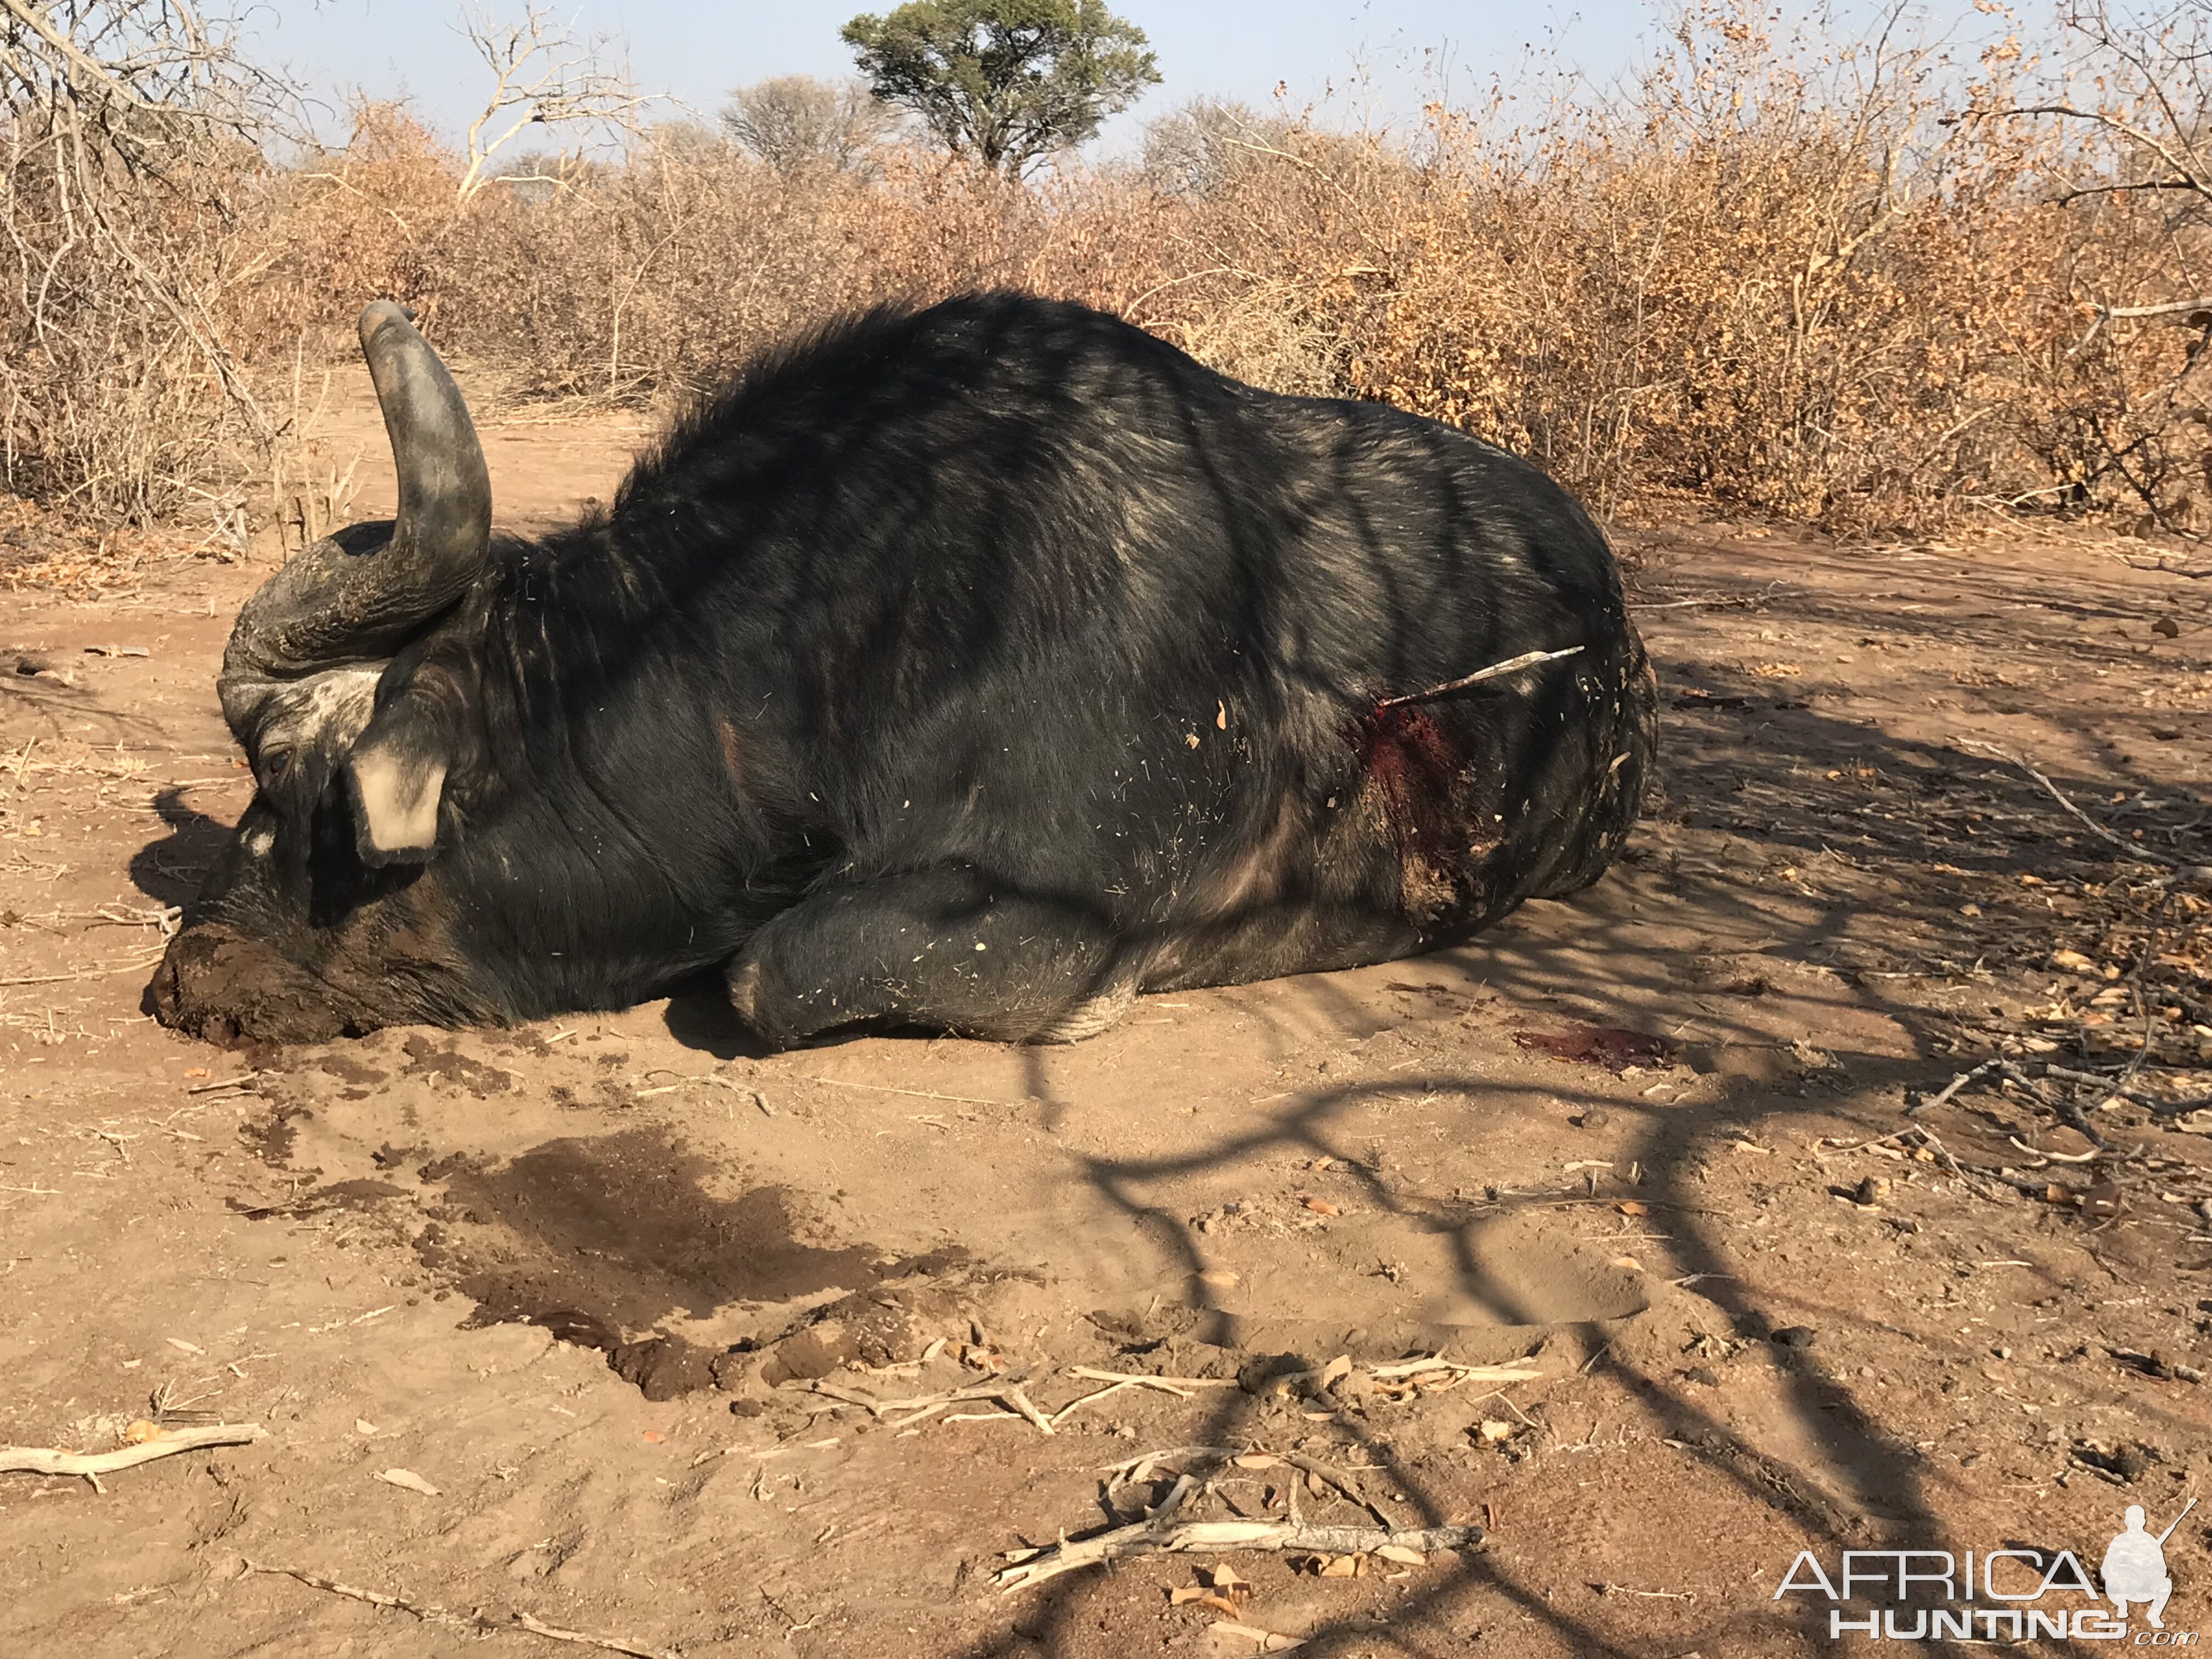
(1791,832)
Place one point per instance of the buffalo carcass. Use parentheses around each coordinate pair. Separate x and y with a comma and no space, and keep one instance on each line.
(972,668)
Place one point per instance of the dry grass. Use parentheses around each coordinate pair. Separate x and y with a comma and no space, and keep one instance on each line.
(1792,284)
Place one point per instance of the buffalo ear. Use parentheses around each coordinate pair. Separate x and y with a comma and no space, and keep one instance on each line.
(395,775)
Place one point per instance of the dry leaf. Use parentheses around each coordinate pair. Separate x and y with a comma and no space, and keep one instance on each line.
(1322,1207)
(1339,1566)
(1265,1641)
(1257,1461)
(408,1479)
(1494,1431)
(654,1437)
(1227,1580)
(196,1071)
(1633,1206)
(1335,1371)
(1627,1261)
(138,1431)
(362,1426)
(2073,961)
(1401,1555)
(1217,1278)
(179,1342)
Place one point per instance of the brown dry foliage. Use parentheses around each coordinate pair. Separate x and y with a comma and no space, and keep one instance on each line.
(1782,285)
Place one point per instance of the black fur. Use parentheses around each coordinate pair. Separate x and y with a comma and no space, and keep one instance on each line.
(969,668)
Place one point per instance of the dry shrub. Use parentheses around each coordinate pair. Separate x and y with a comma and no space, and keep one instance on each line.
(372,218)
(126,159)
(1789,282)
(1792,290)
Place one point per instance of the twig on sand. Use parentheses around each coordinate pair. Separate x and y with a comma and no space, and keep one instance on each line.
(1967,1172)
(1184,1388)
(918,1094)
(2065,1110)
(1008,1393)
(375,1598)
(1153,1537)
(87,972)
(1265,1641)
(1972,1074)
(1180,1458)
(612,1643)
(480,1622)
(1015,1397)
(1719,602)
(1092,1398)
(2134,849)
(2089,1157)
(239,1082)
(1465,1373)
(41,1460)
(1496,671)
(2110,1086)
(1182,1385)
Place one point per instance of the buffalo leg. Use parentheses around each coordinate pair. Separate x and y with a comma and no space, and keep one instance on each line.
(938,948)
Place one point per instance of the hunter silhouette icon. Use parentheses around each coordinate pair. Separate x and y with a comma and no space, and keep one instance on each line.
(2134,1567)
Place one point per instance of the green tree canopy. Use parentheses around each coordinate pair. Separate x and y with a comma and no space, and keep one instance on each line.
(1006,82)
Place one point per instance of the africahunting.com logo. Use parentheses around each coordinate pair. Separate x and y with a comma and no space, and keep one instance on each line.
(2004,1595)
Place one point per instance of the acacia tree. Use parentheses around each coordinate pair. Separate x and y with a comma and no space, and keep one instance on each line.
(1006,82)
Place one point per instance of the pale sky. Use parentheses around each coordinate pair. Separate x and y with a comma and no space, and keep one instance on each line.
(1233,48)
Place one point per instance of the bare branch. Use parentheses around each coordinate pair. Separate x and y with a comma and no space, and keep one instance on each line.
(2191,314)
(543,75)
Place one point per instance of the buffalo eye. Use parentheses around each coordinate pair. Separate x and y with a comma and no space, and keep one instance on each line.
(274,765)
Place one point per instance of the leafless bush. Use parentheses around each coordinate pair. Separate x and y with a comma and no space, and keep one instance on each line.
(2132,92)
(1863,285)
(543,75)
(127,132)
(1194,149)
(798,123)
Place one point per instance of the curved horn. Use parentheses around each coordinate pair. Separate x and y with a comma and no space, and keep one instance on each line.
(352,597)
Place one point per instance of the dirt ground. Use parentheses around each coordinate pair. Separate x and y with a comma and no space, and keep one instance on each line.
(1766,1311)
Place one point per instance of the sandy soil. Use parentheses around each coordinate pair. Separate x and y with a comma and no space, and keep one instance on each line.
(1768,1311)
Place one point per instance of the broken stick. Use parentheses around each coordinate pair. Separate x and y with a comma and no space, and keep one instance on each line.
(1151,1537)
(1496,671)
(1266,1641)
(41,1460)
(1179,1385)
(484,1624)
(1465,1373)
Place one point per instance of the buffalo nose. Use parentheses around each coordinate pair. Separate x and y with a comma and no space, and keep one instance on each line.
(161,991)
(218,984)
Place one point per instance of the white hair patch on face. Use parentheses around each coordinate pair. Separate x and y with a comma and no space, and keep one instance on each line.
(331,707)
(259,843)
